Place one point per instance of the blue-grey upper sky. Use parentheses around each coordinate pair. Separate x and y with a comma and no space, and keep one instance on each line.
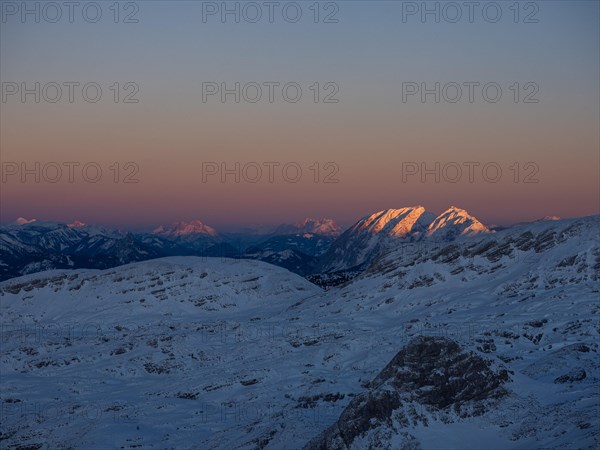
(384,112)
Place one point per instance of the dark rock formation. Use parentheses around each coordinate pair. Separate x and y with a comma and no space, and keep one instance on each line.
(430,377)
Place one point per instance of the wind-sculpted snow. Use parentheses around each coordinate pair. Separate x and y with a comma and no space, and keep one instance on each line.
(233,354)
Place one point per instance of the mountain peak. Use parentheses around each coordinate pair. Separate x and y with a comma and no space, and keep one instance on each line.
(319,226)
(455,222)
(549,218)
(396,222)
(376,233)
(190,228)
(324,226)
(23,221)
(76,224)
(454,211)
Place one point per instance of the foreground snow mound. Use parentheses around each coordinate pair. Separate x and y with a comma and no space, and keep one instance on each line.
(431,378)
(178,285)
(145,355)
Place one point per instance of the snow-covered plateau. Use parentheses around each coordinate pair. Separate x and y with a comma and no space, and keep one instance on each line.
(489,341)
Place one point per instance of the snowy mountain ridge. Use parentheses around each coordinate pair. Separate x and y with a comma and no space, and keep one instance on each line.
(324,227)
(309,248)
(237,354)
(379,232)
(455,222)
(179,229)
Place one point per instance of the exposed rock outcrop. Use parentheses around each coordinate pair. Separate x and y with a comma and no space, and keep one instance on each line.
(432,377)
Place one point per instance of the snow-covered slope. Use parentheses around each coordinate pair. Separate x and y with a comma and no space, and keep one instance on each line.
(372,234)
(134,356)
(527,299)
(228,354)
(453,223)
(385,230)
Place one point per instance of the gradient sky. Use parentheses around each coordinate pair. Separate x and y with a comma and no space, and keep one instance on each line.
(368,134)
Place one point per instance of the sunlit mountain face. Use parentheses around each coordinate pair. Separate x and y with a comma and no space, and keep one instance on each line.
(308,247)
(179,229)
(322,225)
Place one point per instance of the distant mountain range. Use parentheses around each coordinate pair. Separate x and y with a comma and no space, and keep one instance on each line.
(29,246)
(310,246)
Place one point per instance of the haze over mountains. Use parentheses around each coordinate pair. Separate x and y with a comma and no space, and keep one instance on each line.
(179,229)
(310,246)
(29,246)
